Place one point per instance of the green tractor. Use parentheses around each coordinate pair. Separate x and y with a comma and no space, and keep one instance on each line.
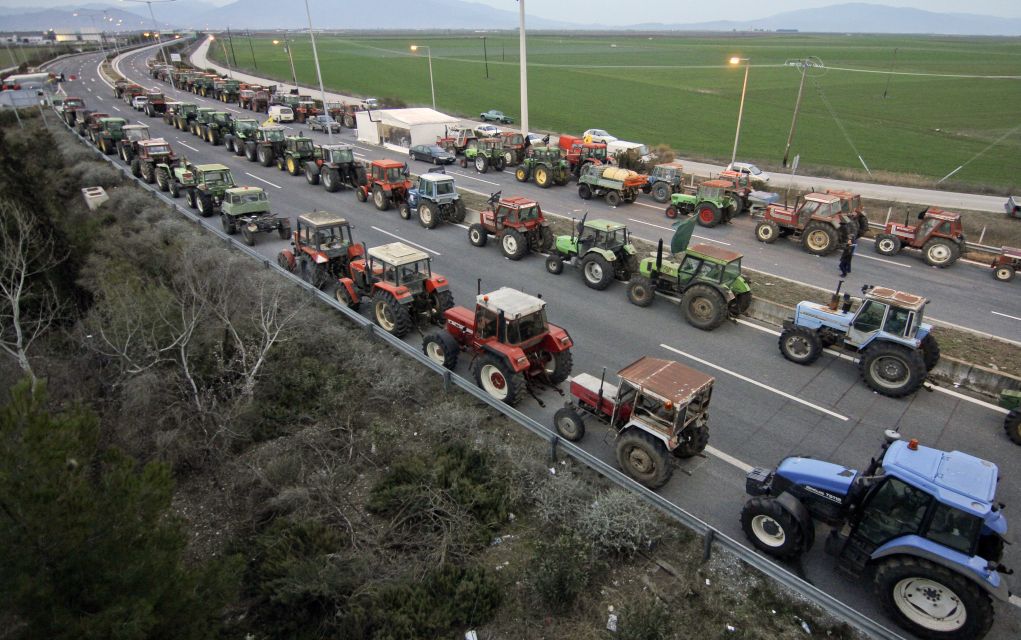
(603,250)
(216,127)
(297,150)
(545,165)
(711,203)
(265,145)
(246,209)
(241,131)
(184,113)
(109,134)
(705,280)
(484,153)
(202,117)
(204,185)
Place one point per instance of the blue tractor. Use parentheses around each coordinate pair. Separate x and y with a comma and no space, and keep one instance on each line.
(895,349)
(434,198)
(920,522)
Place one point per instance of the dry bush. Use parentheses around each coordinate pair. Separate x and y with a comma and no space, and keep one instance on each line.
(617,522)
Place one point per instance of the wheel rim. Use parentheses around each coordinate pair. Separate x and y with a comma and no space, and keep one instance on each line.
(939,253)
(475,236)
(479,163)
(377,197)
(640,461)
(886,245)
(541,175)
(493,381)
(929,604)
(706,215)
(341,294)
(701,308)
(768,531)
(384,316)
(510,244)
(594,272)
(640,292)
(290,165)
(797,346)
(434,352)
(765,233)
(890,371)
(327,180)
(1003,273)
(567,427)
(427,215)
(818,240)
(671,212)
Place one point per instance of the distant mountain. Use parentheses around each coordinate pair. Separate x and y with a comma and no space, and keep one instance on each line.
(133,17)
(860,17)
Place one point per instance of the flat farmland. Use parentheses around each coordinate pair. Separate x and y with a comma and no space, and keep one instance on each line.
(907,105)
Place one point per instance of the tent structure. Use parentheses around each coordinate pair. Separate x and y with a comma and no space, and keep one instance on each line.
(402,127)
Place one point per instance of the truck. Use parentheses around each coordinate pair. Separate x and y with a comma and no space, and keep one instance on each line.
(247,209)
(616,186)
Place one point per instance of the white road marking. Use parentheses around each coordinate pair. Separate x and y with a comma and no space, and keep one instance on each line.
(88,89)
(1005,315)
(358,155)
(465,175)
(1015,600)
(694,235)
(234,110)
(642,204)
(185,144)
(261,180)
(757,383)
(394,235)
(114,107)
(729,459)
(896,264)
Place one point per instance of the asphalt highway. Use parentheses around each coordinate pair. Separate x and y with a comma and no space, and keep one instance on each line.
(763,408)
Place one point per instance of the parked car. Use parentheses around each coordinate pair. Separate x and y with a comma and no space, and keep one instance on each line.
(280,113)
(138,102)
(431,153)
(322,123)
(496,116)
(598,135)
(487,131)
(749,170)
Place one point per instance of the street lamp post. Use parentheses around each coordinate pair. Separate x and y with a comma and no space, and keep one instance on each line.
(156,26)
(429,51)
(740,111)
(92,19)
(524,67)
(319,72)
(287,48)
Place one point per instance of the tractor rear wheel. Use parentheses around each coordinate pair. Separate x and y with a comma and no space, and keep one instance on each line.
(767,231)
(772,529)
(703,307)
(228,223)
(596,271)
(498,163)
(495,378)
(709,215)
(513,245)
(644,458)
(124,151)
(251,151)
(940,252)
(440,301)
(380,199)
(311,173)
(521,174)
(584,192)
(293,167)
(361,194)
(661,191)
(892,370)
(613,198)
(640,291)
(545,239)
(331,180)
(740,304)
(543,177)
(932,601)
(265,155)
(205,205)
(477,235)
(1012,425)
(248,235)
(441,348)
(162,179)
(193,201)
(569,424)
(557,365)
(136,168)
(555,265)
(427,215)
(1004,273)
(800,345)
(390,315)
(696,439)
(887,244)
(930,351)
(481,163)
(820,239)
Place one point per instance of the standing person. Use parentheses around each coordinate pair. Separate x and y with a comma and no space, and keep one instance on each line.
(846,255)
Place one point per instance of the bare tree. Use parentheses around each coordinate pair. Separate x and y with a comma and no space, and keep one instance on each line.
(29,304)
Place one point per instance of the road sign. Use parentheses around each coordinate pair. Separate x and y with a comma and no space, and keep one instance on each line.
(175,57)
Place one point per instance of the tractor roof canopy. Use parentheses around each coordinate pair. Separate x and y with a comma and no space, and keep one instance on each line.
(321,219)
(211,167)
(397,254)
(517,202)
(897,298)
(513,303)
(251,192)
(720,184)
(665,378)
(823,198)
(604,225)
(388,164)
(435,177)
(955,478)
(933,212)
(714,253)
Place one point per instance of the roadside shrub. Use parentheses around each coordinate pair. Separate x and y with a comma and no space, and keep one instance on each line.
(560,499)
(559,571)
(96,174)
(619,523)
(644,618)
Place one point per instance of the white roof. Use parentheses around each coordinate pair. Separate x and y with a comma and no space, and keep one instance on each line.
(414,116)
(512,302)
(397,254)
(435,176)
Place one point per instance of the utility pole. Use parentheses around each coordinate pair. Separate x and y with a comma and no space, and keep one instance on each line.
(804,64)
(524,68)
(250,46)
(319,72)
(231,42)
(485,56)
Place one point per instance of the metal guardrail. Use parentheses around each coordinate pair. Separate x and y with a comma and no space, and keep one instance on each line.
(711,535)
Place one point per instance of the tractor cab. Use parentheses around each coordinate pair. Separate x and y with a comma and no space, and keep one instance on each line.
(602,234)
(299,145)
(336,154)
(936,222)
(712,190)
(663,398)
(271,133)
(71,103)
(388,171)
(670,172)
(511,317)
(220,118)
(818,205)
(896,314)
(399,265)
(245,125)
(155,148)
(514,212)
(436,187)
(239,201)
(113,126)
(213,177)
(326,239)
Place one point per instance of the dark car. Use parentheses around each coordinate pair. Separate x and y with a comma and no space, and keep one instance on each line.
(321,122)
(431,153)
(496,116)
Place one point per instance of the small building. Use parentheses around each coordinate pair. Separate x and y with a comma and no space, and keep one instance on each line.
(402,127)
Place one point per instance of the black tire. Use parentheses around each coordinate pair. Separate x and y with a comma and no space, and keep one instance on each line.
(820,239)
(344,297)
(360,194)
(558,365)
(613,198)
(281,163)
(162,179)
(940,252)
(331,180)
(545,239)
(440,302)
(248,236)
(708,214)
(493,376)
(694,441)
(772,529)
(555,265)
(640,291)
(404,211)
(1012,425)
(379,198)
(251,152)
(513,244)
(175,188)
(892,370)
(1003,273)
(740,304)
(661,191)
(229,224)
(149,173)
(311,173)
(584,192)
(521,174)
(887,244)
(239,147)
(293,166)
(265,155)
(391,316)
(205,205)
(228,143)
(136,168)
(569,424)
(428,217)
(192,197)
(284,230)
(906,584)
(644,458)
(703,307)
(930,351)
(499,163)
(460,212)
(481,163)
(441,348)
(800,345)
(767,231)
(596,271)
(543,177)
(477,235)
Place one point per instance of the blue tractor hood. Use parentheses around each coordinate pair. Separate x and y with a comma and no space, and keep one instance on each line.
(832,478)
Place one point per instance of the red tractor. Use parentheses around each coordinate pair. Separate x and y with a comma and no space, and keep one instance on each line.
(579,153)
(851,206)
(816,221)
(322,248)
(386,183)
(517,224)
(1006,264)
(940,236)
(739,189)
(457,139)
(512,345)
(343,113)
(399,281)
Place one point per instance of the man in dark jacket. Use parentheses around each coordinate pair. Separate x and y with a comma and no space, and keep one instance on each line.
(845,257)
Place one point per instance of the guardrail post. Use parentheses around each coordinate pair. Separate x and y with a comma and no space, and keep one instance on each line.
(265,263)
(446,380)
(554,441)
(982,235)
(370,329)
(707,544)
(889,210)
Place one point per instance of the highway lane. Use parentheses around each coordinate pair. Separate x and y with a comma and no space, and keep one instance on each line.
(752,423)
(964,295)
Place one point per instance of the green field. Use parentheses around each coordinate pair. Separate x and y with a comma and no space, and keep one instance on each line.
(14,55)
(943,105)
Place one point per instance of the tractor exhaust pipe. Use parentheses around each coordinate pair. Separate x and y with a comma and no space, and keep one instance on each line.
(835,298)
(478,287)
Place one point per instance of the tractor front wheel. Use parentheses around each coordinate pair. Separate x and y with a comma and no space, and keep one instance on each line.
(521,174)
(569,424)
(892,370)
(767,231)
(800,345)
(661,192)
(644,458)
(361,194)
(205,205)
(293,167)
(477,235)
(427,215)
(703,307)
(460,212)
(557,365)
(772,529)
(175,188)
(671,212)
(481,163)
(248,235)
(709,215)
(613,198)
(331,180)
(229,224)
(543,177)
(136,168)
(343,296)
(440,301)
(251,152)
(1004,273)
(497,379)
(640,291)
(513,245)
(597,272)
(380,199)
(441,348)
(940,252)
(162,179)
(391,315)
(555,265)
(932,601)
(311,173)
(820,239)
(887,244)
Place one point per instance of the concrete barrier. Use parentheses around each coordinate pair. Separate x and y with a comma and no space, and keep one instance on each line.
(94,197)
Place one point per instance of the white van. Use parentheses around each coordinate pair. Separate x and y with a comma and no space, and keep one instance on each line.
(281,113)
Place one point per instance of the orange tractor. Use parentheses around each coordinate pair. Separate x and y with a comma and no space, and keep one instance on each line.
(386,183)
(939,235)
(817,221)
